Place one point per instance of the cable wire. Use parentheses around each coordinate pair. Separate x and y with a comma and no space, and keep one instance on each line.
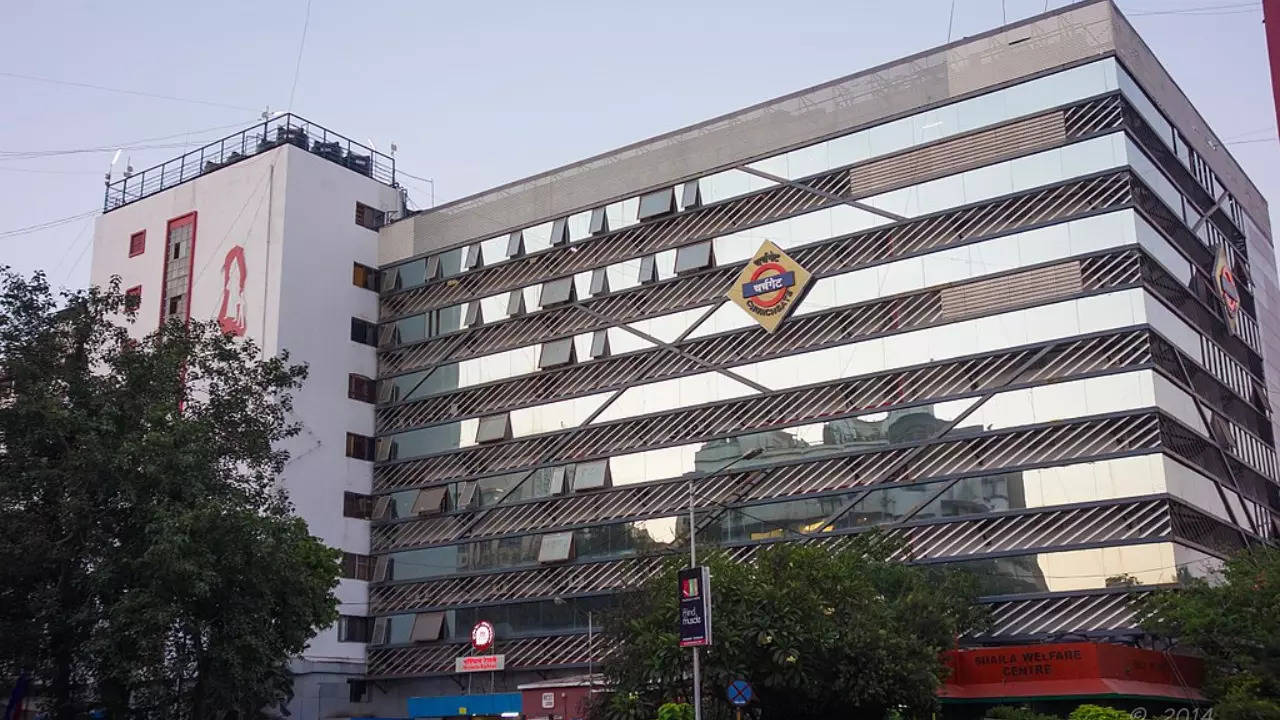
(297,66)
(123,91)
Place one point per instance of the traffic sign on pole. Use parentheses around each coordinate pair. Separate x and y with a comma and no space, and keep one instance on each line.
(740,692)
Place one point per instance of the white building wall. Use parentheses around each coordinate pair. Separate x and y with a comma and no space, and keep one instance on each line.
(292,215)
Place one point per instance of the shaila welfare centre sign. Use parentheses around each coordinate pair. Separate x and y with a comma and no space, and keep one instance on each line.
(770,286)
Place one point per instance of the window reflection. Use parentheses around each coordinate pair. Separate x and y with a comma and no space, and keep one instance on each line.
(513,620)
(595,543)
(1147,564)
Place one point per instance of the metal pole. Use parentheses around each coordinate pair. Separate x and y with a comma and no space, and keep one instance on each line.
(693,562)
(590,648)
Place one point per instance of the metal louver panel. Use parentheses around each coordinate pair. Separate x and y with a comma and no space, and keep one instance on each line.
(951,156)
(766,205)
(823,259)
(646,238)
(1112,611)
(802,333)
(953,539)
(1008,291)
(1094,116)
(419,661)
(1067,359)
(1078,526)
(676,427)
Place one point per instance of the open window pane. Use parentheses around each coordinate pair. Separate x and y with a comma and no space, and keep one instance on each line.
(591,475)
(690,195)
(600,344)
(427,627)
(493,428)
(430,501)
(655,204)
(515,244)
(557,292)
(556,547)
(515,303)
(557,353)
(560,231)
(648,269)
(697,256)
(599,221)
(599,281)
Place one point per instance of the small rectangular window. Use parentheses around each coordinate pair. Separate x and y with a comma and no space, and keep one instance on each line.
(648,269)
(599,221)
(175,305)
(356,566)
(383,568)
(560,231)
(599,281)
(137,243)
(591,475)
(427,627)
(556,486)
(381,628)
(467,494)
(557,292)
(515,303)
(557,353)
(353,628)
(360,388)
(363,331)
(697,256)
(369,217)
(381,508)
(515,244)
(357,505)
(363,276)
(600,344)
(133,297)
(359,447)
(430,501)
(494,428)
(656,204)
(556,547)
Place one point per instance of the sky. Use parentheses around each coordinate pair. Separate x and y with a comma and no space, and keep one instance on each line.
(475,94)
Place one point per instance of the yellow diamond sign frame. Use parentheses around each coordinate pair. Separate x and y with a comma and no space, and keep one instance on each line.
(770,286)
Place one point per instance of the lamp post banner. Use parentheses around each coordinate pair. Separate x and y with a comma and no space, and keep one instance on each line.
(695,607)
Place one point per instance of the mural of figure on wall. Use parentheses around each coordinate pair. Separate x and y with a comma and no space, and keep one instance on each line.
(231,314)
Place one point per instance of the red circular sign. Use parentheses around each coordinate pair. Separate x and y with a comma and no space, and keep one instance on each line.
(778,295)
(482,636)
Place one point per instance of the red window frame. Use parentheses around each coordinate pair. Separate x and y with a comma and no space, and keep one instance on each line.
(135,291)
(137,243)
(181,220)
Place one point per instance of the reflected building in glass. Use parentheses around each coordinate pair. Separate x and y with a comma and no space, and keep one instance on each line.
(1014,354)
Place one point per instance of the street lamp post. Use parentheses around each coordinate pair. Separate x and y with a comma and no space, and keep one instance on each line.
(693,562)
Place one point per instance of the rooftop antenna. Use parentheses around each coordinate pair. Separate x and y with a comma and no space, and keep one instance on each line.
(114,159)
(393,149)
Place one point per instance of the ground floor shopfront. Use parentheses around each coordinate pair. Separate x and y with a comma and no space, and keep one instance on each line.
(1050,677)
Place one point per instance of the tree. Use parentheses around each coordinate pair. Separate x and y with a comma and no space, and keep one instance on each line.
(1098,712)
(818,632)
(1234,623)
(149,563)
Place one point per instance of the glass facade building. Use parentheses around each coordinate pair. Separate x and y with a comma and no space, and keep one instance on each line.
(1015,354)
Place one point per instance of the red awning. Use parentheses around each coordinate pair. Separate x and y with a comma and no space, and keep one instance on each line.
(1076,669)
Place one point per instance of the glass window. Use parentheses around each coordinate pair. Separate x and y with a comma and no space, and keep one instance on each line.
(697,256)
(556,547)
(591,475)
(599,221)
(658,203)
(494,427)
(556,353)
(557,292)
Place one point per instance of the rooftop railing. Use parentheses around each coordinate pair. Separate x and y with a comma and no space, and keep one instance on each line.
(286,129)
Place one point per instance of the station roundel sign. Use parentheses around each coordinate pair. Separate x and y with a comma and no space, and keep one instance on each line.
(482,636)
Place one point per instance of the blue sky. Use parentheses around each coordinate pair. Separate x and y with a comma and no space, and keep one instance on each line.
(479,93)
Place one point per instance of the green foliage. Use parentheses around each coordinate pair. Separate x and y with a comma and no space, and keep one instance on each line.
(818,632)
(675,711)
(149,565)
(1098,712)
(1008,712)
(1234,622)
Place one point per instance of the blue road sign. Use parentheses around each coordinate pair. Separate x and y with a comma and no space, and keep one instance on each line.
(740,692)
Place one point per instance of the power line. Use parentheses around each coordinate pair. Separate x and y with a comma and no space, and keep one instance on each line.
(47,224)
(139,144)
(1223,9)
(139,93)
(297,67)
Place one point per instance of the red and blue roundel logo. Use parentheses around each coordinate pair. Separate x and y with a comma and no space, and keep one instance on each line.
(768,285)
